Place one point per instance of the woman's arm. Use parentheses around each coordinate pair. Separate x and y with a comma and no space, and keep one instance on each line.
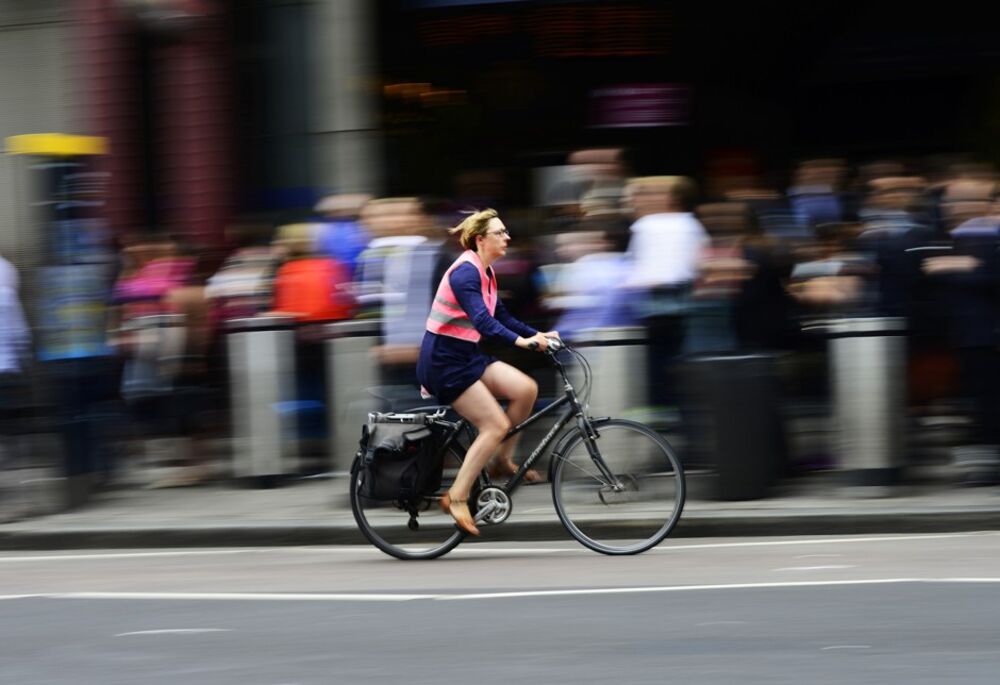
(465,283)
(504,317)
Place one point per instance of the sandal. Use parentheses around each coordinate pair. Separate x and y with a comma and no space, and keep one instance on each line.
(465,523)
(502,469)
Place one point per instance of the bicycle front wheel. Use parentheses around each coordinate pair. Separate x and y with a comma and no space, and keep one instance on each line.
(407,530)
(627,503)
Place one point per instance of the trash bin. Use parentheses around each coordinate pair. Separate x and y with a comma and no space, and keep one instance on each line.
(867,359)
(352,372)
(617,357)
(738,426)
(261,384)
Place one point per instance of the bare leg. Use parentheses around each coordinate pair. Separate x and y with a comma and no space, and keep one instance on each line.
(480,408)
(506,382)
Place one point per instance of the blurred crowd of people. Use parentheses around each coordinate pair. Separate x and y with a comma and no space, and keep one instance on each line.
(738,265)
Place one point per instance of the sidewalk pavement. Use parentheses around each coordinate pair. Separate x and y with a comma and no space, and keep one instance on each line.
(315,511)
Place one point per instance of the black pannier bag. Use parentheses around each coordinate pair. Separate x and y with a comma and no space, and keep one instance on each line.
(401,457)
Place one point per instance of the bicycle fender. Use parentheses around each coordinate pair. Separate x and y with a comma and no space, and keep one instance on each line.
(557,451)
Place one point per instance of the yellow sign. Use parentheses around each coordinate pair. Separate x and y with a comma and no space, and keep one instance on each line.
(56,145)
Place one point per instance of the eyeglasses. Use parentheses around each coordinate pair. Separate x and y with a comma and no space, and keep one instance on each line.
(502,231)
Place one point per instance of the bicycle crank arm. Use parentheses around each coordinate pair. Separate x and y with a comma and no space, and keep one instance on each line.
(485,511)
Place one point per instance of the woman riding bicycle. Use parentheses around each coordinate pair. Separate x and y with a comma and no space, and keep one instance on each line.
(466,307)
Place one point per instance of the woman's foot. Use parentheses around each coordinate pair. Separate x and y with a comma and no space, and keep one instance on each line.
(459,510)
(502,469)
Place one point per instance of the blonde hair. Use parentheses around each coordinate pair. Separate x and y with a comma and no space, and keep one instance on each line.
(473,225)
(299,240)
(681,189)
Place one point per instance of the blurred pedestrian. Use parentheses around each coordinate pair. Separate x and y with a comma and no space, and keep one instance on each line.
(392,223)
(410,279)
(663,256)
(816,194)
(244,285)
(15,342)
(341,234)
(309,286)
(891,234)
(582,290)
(970,273)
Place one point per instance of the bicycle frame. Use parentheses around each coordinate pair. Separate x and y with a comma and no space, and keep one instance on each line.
(571,402)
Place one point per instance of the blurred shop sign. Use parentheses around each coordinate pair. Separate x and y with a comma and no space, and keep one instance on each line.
(167,16)
(455,3)
(639,105)
(55,145)
(559,30)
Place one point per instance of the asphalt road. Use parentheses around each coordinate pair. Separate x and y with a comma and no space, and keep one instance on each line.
(890,609)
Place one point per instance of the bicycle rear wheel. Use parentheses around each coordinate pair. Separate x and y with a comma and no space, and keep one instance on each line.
(408,530)
(631,513)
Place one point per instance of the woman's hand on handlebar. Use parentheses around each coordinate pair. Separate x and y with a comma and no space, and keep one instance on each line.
(541,342)
(555,341)
(537,342)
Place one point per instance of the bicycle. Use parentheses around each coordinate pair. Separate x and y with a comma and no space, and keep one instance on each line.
(617,485)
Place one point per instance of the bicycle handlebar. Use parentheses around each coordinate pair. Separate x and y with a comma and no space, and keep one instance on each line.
(555,344)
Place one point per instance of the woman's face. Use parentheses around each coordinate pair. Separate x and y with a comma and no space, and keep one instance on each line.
(493,244)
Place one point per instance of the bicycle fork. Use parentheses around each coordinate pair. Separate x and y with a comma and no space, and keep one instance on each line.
(590,438)
(586,427)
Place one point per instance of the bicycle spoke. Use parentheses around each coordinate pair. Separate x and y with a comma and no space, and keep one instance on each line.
(598,477)
(634,512)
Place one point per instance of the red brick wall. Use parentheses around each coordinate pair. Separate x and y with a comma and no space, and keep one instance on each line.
(106,83)
(194,99)
(192,75)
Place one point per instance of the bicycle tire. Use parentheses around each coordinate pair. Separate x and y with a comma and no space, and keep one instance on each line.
(636,513)
(386,524)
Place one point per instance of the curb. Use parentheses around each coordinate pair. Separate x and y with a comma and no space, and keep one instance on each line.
(287,535)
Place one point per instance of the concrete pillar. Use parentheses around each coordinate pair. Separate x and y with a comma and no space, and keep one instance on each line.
(343,124)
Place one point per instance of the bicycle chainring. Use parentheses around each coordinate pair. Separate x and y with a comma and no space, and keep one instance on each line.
(493,504)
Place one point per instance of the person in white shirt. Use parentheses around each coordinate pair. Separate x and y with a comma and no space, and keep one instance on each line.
(15,337)
(662,262)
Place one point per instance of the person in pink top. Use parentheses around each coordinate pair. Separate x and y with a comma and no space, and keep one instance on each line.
(453,368)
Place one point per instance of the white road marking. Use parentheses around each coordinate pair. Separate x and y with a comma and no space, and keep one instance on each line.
(824,541)
(347,597)
(340,549)
(818,556)
(239,596)
(484,549)
(132,555)
(178,631)
(847,647)
(968,580)
(675,588)
(722,623)
(828,567)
